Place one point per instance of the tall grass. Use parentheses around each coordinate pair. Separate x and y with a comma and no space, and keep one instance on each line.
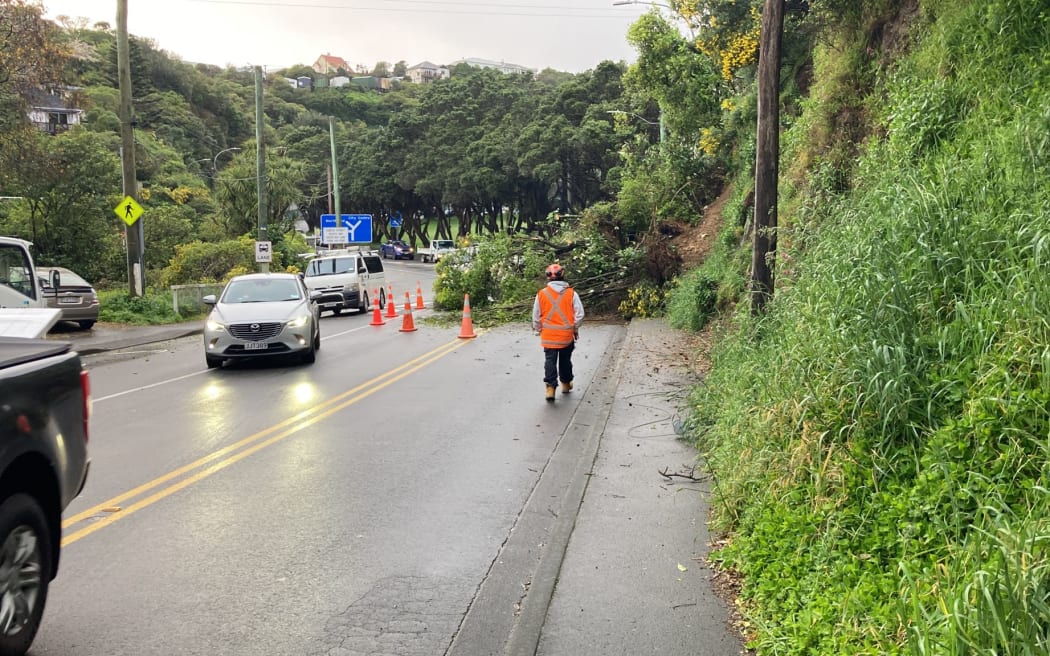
(885,429)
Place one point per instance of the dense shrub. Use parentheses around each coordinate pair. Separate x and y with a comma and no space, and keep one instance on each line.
(199,261)
(883,428)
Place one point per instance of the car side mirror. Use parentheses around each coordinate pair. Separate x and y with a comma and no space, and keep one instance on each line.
(56,280)
(209,299)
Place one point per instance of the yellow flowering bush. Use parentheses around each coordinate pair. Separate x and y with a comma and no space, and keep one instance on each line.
(643,300)
(733,50)
(708,142)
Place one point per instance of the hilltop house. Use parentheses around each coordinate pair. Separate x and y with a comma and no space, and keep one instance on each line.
(502,67)
(51,111)
(329,65)
(426,72)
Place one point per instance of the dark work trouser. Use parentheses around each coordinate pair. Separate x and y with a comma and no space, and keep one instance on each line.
(557,365)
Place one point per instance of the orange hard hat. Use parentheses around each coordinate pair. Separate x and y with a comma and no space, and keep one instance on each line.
(555,271)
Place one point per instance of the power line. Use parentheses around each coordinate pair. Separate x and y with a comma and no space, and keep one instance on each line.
(439,7)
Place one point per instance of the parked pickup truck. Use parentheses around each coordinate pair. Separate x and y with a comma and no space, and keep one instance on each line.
(44,409)
(438,249)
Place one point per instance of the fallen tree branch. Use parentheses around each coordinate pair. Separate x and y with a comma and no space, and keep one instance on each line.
(689,475)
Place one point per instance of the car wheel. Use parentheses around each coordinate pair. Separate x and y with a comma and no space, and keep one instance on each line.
(382,298)
(383,253)
(317,340)
(212,361)
(25,560)
(364,306)
(86,324)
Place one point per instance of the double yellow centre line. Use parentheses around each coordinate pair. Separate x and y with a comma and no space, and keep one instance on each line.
(111,511)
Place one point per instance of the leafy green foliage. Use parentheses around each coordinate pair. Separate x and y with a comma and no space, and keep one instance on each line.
(153,308)
(883,428)
(209,261)
(643,300)
(693,301)
(496,270)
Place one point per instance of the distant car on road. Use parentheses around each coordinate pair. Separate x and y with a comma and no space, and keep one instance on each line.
(344,278)
(438,249)
(262,314)
(76,297)
(397,249)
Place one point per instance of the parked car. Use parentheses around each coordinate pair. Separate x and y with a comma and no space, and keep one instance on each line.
(75,297)
(344,279)
(396,249)
(262,314)
(43,466)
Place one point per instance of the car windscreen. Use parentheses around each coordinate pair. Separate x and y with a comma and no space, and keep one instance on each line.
(261,291)
(374,264)
(330,266)
(442,243)
(69,279)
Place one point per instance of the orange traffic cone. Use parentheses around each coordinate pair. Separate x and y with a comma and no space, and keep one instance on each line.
(467,329)
(377,314)
(419,297)
(391,304)
(408,325)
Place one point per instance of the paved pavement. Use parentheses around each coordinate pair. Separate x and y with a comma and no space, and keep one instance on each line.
(111,337)
(633,578)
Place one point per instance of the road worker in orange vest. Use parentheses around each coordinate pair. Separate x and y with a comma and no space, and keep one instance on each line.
(556,315)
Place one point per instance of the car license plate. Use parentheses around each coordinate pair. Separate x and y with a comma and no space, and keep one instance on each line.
(255,346)
(69,300)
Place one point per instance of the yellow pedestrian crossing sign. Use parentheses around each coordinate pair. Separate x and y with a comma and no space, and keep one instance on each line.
(129,211)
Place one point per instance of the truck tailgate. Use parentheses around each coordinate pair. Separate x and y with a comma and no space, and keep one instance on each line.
(15,350)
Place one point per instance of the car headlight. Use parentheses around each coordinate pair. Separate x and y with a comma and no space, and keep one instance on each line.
(299,321)
(214,326)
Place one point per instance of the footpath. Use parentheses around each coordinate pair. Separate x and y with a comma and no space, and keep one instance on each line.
(633,580)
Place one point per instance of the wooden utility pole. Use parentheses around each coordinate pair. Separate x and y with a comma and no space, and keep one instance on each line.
(335,174)
(767,156)
(260,150)
(136,251)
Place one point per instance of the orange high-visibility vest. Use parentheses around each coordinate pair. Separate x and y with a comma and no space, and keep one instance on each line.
(557,318)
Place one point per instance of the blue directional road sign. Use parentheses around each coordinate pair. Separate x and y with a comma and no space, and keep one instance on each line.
(359,226)
(395,220)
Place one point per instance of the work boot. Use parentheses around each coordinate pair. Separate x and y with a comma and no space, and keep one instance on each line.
(566,387)
(550,392)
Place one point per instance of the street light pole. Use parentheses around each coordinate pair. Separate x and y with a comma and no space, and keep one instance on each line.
(621,3)
(215,164)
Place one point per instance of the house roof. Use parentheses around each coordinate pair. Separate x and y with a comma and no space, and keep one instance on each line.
(488,63)
(50,102)
(335,62)
(423,64)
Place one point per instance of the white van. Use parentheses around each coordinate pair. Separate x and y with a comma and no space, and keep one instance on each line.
(347,280)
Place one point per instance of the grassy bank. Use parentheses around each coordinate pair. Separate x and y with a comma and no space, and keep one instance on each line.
(880,440)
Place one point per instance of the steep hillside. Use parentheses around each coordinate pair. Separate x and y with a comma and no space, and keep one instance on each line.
(879,437)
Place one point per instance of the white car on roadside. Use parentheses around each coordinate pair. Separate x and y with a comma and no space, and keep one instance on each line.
(438,249)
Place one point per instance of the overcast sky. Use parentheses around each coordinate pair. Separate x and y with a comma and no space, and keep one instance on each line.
(567,35)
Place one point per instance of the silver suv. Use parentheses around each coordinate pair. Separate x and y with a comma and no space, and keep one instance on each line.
(347,280)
